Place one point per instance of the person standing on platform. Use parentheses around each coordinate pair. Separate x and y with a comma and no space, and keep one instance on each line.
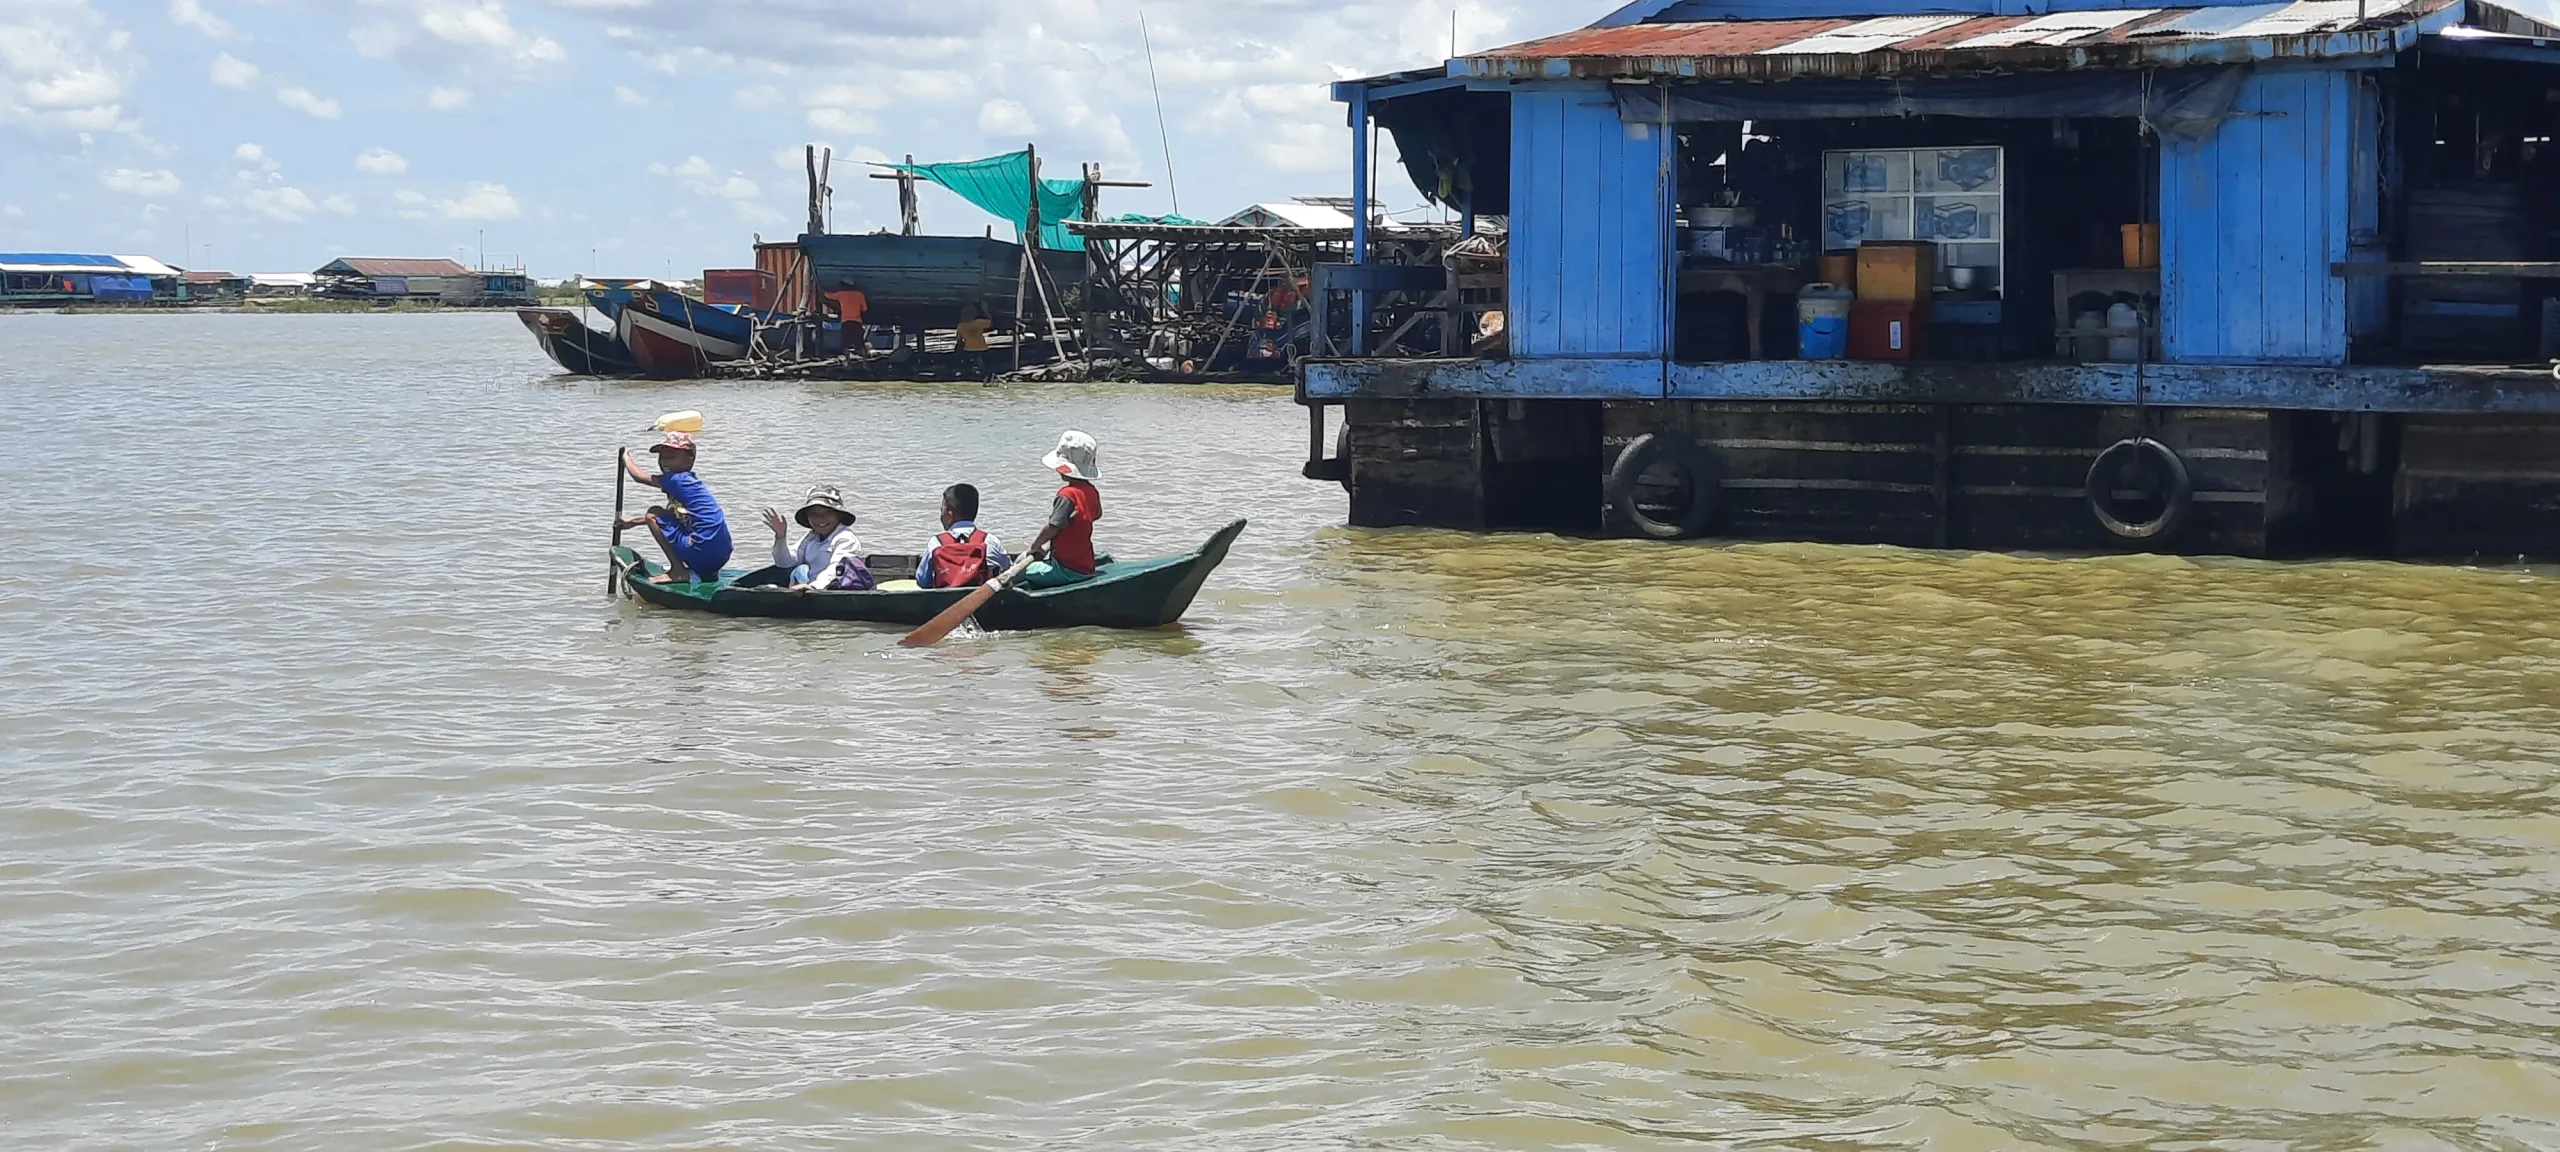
(972,331)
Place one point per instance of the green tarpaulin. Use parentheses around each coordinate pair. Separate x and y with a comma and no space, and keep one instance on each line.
(1002,186)
(1175,221)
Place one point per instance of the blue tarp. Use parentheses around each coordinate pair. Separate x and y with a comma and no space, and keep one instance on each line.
(2187,103)
(125,289)
(61,258)
(1002,186)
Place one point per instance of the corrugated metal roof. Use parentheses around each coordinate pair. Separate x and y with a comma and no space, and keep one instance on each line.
(390,266)
(146,266)
(1912,45)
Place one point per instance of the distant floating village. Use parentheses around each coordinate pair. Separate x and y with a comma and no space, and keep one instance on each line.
(1072,293)
(72,280)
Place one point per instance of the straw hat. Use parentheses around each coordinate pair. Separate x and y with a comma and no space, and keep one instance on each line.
(826,496)
(1076,457)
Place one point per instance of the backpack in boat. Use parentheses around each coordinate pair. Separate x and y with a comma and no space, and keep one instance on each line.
(959,563)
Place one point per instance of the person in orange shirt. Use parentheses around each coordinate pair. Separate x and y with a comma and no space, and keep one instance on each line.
(851,305)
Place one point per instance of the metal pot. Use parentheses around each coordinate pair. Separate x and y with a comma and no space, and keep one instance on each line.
(1963,277)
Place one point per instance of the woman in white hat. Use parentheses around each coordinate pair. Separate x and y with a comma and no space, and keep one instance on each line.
(829,558)
(1065,544)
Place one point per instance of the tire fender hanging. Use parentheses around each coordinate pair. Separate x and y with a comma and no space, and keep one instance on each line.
(1699,479)
(2177,499)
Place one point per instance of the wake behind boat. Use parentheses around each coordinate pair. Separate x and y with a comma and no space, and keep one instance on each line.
(1131,595)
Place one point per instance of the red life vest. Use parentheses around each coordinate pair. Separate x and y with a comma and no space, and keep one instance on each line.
(959,563)
(1073,548)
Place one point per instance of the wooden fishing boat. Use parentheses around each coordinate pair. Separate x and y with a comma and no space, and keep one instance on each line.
(1122,594)
(578,348)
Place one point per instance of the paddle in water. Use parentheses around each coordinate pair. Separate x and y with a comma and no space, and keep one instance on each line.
(953,617)
(613,563)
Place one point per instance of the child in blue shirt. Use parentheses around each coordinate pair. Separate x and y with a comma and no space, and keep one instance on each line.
(694,534)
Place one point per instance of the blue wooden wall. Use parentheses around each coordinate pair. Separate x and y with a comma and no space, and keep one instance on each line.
(1590,228)
(2252,217)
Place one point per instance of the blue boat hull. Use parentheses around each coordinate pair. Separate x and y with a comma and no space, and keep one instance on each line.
(575,347)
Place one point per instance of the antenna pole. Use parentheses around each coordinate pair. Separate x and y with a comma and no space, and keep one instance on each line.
(1149,40)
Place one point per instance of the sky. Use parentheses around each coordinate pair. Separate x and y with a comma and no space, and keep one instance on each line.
(658,137)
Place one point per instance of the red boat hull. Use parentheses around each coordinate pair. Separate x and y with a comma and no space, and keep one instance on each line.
(664,348)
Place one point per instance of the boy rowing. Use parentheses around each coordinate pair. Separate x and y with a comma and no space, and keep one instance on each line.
(693,534)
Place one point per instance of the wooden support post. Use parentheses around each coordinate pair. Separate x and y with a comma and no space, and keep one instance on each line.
(1945,481)
(1030,251)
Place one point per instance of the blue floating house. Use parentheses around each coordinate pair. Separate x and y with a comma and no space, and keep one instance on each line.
(55,279)
(2249,278)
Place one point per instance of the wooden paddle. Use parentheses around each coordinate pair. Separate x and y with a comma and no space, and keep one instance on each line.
(953,617)
(612,563)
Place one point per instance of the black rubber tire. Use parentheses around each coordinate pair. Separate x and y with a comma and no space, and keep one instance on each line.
(2178,501)
(1698,474)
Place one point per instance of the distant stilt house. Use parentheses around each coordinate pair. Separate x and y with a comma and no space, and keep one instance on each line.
(387,279)
(281,285)
(436,281)
(206,286)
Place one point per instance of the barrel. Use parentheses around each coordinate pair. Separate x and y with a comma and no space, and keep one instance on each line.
(1822,322)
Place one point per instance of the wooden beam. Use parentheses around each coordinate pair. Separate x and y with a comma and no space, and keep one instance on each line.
(2502,269)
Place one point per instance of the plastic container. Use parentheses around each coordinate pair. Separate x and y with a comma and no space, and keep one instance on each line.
(2123,317)
(2141,245)
(685,422)
(2087,344)
(1840,268)
(1822,322)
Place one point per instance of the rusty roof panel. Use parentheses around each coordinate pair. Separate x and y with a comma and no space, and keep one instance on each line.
(1958,34)
(1730,38)
(1899,46)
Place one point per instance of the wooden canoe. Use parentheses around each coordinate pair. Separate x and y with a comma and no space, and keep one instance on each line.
(1123,594)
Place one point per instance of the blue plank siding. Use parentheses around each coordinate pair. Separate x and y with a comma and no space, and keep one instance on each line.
(1590,228)
(2252,217)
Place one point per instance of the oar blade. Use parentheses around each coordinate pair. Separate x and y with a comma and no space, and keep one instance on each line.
(951,619)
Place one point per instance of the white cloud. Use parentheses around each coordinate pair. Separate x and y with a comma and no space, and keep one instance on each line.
(306,101)
(249,154)
(482,201)
(758,98)
(139,182)
(63,67)
(448,99)
(12,211)
(407,196)
(843,121)
(231,71)
(447,30)
(288,204)
(381,162)
(1007,118)
(629,97)
(192,14)
(340,205)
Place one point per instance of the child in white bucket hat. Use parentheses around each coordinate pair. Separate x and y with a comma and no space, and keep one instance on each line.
(1065,544)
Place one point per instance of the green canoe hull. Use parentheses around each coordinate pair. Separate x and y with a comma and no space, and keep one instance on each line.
(1137,594)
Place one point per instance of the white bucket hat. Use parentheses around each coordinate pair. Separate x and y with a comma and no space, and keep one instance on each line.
(1076,457)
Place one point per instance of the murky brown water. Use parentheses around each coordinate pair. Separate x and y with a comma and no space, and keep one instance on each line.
(343,813)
